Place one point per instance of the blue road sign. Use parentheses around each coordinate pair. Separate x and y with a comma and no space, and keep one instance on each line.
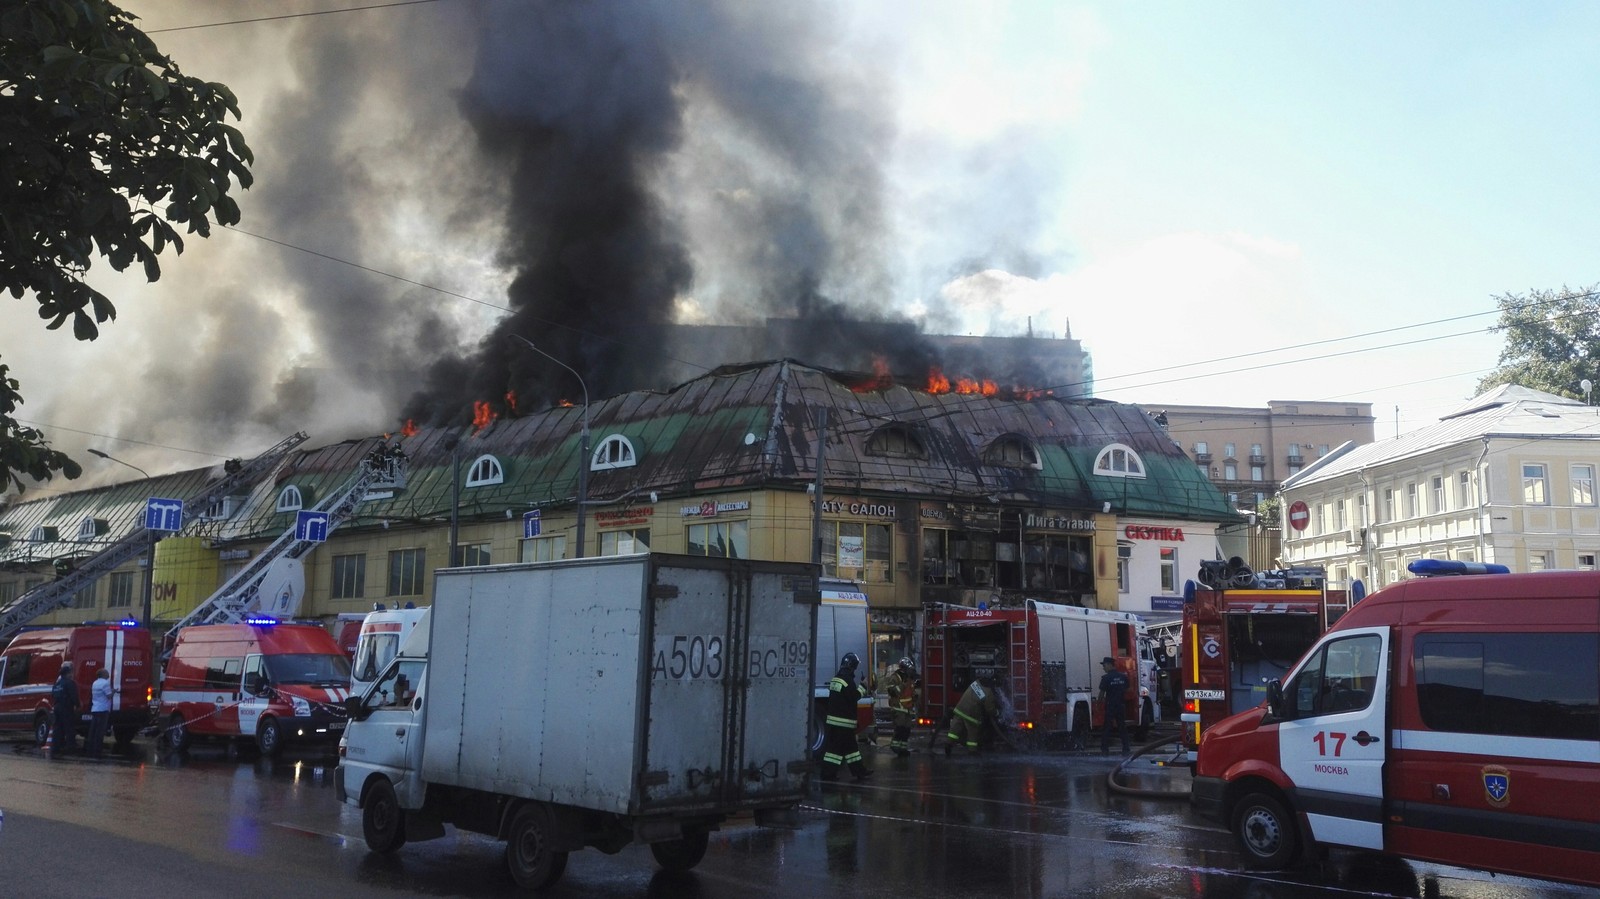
(311,526)
(163,514)
(530,524)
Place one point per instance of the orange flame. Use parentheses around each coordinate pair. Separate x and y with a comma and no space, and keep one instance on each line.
(565,404)
(482,416)
(937,382)
(511,401)
(409,429)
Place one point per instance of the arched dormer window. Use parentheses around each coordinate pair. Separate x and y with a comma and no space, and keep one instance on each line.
(615,451)
(290,499)
(895,440)
(1011,451)
(1119,461)
(90,528)
(485,470)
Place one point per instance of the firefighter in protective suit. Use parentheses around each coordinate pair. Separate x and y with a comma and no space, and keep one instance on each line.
(903,686)
(839,727)
(977,705)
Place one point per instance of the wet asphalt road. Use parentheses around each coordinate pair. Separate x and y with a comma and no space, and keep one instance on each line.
(215,822)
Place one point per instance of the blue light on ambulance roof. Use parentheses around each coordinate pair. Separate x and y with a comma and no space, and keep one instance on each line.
(129,622)
(1438,567)
(261,620)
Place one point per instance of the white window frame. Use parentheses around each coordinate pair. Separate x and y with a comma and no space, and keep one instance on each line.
(615,451)
(1582,477)
(485,471)
(1535,484)
(1118,460)
(290,499)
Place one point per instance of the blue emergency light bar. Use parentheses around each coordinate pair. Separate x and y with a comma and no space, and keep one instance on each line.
(261,620)
(129,622)
(1441,567)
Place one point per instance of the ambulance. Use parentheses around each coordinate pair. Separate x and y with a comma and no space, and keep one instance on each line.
(32,662)
(382,632)
(1450,718)
(264,681)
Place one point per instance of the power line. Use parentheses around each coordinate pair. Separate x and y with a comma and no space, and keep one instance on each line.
(297,15)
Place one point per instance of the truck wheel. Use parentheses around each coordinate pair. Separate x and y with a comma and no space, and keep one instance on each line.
(124,736)
(683,853)
(383,824)
(1147,720)
(269,738)
(532,863)
(1265,830)
(177,733)
(41,729)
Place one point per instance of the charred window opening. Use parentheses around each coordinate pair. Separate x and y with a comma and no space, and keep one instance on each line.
(896,441)
(1012,451)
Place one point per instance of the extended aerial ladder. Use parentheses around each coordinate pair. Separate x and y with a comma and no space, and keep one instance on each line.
(274,582)
(58,593)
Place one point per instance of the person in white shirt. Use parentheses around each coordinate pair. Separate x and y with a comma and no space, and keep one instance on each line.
(99,712)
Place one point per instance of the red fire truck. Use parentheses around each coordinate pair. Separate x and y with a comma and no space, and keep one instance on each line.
(1235,640)
(1047,658)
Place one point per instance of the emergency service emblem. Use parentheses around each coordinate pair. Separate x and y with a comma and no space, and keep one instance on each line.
(1497,786)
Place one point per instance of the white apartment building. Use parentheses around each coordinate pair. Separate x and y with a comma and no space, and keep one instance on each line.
(1508,478)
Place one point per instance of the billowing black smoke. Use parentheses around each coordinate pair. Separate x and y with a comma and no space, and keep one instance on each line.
(605,114)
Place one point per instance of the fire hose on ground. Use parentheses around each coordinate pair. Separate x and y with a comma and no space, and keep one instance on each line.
(1116,786)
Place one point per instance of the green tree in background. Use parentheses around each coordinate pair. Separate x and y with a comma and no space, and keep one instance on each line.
(105,147)
(1552,341)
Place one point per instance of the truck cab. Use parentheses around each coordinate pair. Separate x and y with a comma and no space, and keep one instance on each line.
(1450,718)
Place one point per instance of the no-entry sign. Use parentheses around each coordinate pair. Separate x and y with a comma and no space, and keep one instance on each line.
(1299,515)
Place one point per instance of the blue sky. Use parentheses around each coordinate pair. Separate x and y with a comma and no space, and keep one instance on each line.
(1201,189)
(1244,176)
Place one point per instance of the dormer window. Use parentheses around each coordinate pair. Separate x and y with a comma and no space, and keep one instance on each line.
(1119,461)
(895,440)
(43,534)
(485,470)
(90,528)
(615,451)
(223,509)
(290,499)
(1011,451)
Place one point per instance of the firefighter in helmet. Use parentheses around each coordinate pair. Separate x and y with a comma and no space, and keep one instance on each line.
(839,728)
(904,686)
(978,704)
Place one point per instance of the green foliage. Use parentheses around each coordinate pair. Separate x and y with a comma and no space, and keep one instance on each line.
(1552,341)
(1269,512)
(106,145)
(23,450)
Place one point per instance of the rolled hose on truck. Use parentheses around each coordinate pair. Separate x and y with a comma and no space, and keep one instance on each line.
(1116,786)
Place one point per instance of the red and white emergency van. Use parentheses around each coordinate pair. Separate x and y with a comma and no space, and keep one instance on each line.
(1449,719)
(382,632)
(32,662)
(264,680)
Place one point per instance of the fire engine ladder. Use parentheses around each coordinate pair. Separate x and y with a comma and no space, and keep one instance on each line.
(233,602)
(49,597)
(1017,666)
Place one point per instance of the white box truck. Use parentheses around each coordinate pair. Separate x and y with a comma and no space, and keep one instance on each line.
(842,626)
(591,702)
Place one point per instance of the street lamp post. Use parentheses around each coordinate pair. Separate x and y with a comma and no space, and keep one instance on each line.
(150,544)
(583,442)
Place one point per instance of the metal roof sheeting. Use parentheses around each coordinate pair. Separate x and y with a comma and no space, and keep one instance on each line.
(738,427)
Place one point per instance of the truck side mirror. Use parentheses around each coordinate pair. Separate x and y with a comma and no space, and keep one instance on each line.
(1275,698)
(253,684)
(356,709)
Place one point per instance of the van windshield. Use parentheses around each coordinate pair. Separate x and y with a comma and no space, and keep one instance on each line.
(308,668)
